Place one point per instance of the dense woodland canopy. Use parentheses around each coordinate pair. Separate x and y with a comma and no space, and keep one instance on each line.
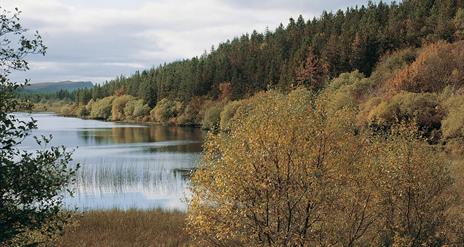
(334,43)
(394,61)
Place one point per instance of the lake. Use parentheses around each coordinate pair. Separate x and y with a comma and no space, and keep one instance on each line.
(124,165)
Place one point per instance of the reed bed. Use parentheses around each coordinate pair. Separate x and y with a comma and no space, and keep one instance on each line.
(127,228)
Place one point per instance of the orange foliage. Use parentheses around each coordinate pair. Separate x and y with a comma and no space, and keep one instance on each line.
(437,66)
(226,90)
(312,72)
(121,91)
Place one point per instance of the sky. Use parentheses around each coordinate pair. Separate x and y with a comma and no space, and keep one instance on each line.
(97,40)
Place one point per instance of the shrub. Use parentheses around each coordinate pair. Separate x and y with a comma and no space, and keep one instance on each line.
(192,114)
(82,111)
(119,103)
(140,109)
(90,105)
(228,113)
(453,123)
(136,109)
(212,117)
(101,109)
(129,109)
(394,61)
(165,110)
(366,113)
(349,89)
(67,110)
(459,24)
(421,108)
(438,65)
(389,65)
(345,79)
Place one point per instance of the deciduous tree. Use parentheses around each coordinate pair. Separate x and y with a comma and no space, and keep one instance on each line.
(292,172)
(32,184)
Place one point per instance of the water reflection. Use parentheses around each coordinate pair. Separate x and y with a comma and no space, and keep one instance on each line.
(125,166)
(131,134)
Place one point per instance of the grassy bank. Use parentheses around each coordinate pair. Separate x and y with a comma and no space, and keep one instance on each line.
(127,228)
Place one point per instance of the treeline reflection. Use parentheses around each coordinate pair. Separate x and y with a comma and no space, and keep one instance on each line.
(145,134)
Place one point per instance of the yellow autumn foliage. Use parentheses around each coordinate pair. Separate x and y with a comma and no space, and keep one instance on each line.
(290,172)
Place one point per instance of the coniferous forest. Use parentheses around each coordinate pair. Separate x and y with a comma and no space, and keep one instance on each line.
(305,52)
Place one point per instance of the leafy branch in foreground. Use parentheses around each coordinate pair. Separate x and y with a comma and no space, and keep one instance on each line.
(32,184)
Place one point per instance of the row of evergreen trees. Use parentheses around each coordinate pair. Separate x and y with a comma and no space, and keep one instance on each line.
(304,52)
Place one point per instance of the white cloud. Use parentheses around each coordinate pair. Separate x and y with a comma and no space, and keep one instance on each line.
(105,38)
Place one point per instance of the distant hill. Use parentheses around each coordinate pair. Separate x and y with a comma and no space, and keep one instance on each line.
(51,87)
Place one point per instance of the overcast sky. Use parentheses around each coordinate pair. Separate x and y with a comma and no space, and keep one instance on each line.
(98,40)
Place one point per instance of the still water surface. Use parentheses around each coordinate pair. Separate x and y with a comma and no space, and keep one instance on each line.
(124,165)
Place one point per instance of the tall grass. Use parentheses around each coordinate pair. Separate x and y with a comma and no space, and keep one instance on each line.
(127,228)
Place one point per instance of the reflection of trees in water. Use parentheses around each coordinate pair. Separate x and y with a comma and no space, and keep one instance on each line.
(84,135)
(96,136)
(165,133)
(140,134)
(130,135)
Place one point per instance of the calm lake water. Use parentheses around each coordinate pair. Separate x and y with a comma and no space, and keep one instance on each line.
(124,165)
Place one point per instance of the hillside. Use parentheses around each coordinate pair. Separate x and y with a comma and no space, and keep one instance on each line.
(334,43)
(398,61)
(52,87)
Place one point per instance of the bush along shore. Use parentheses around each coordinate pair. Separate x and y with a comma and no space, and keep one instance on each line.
(204,112)
(201,112)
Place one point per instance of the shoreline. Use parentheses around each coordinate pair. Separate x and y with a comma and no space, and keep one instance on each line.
(149,123)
